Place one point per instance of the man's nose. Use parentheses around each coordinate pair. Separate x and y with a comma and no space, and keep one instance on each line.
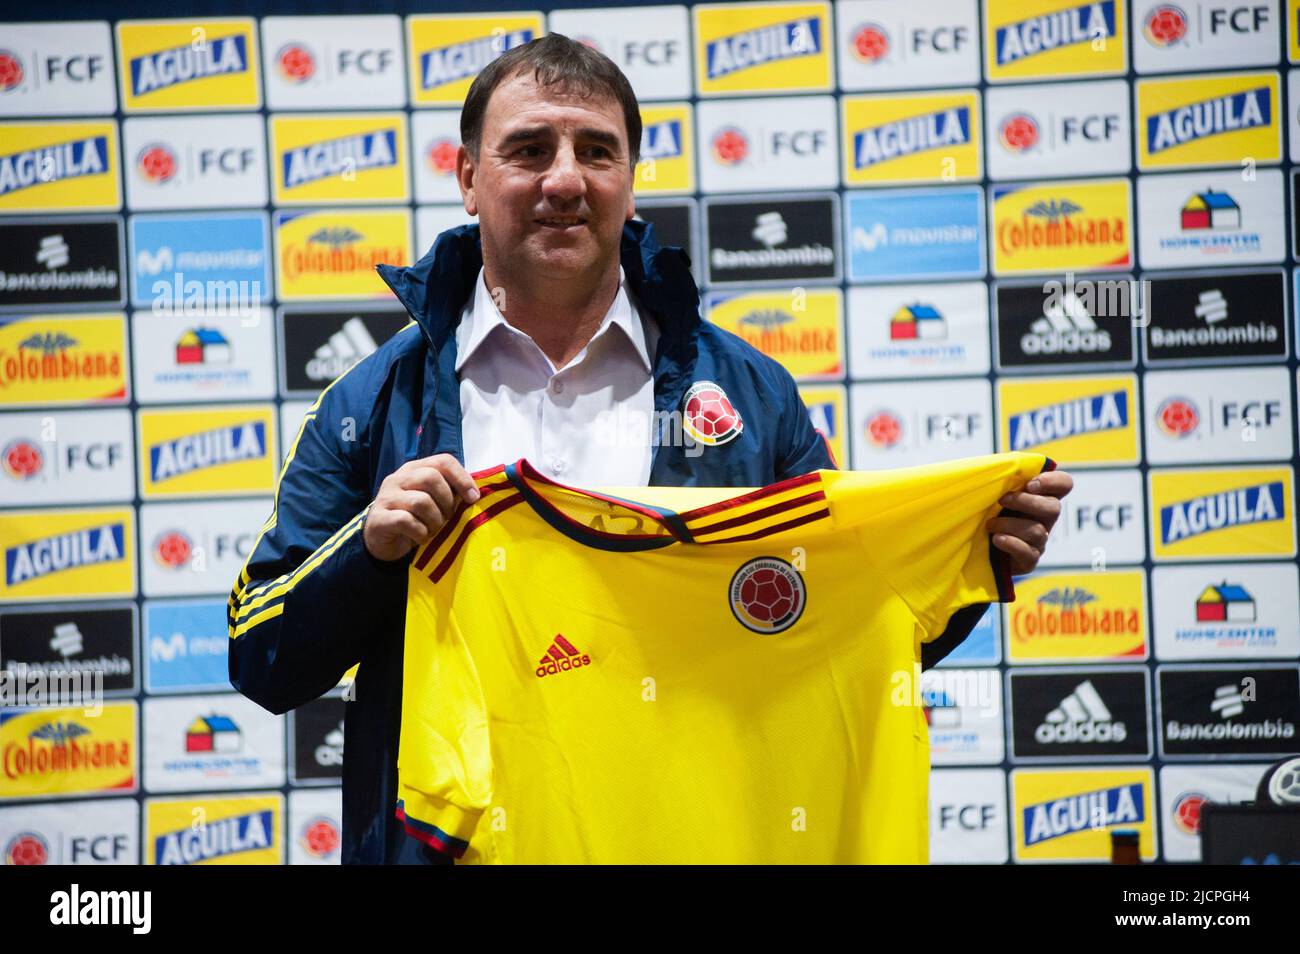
(564,179)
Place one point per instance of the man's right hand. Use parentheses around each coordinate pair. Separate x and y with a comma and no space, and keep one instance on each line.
(413,503)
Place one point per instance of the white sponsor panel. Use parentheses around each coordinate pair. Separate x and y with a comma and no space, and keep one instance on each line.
(328,62)
(904,425)
(968,816)
(315,826)
(1204,417)
(66,457)
(203,357)
(900,44)
(651,45)
(435,140)
(194,549)
(913,331)
(1102,522)
(292,414)
(963,708)
(1211,218)
(211,742)
(1204,34)
(194,162)
(1226,611)
(104,831)
(1058,129)
(432,220)
(57,69)
(1185,790)
(749,144)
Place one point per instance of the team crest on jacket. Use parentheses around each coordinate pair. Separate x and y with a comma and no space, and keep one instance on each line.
(767,595)
(708,415)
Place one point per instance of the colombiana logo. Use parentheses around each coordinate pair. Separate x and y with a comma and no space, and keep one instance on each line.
(767,595)
(708,415)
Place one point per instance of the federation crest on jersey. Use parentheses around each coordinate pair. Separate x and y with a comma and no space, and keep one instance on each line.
(1190,122)
(767,595)
(1040,39)
(188,65)
(762,47)
(708,415)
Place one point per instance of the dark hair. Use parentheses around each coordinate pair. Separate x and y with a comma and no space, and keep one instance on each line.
(555,60)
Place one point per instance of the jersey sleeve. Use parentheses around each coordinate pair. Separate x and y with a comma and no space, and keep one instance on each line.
(923,529)
(444,761)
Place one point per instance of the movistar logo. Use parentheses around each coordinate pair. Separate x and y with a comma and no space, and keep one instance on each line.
(182,64)
(350,154)
(914,134)
(30,561)
(1052,31)
(193,452)
(1210,117)
(1230,508)
(768,44)
(1086,415)
(459,61)
(46,164)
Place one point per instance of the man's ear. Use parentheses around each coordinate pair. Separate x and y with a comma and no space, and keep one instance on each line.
(465,170)
(631,203)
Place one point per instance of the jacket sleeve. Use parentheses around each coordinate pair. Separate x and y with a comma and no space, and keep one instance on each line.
(310,594)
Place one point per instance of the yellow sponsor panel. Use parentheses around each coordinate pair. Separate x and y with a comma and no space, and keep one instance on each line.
(179,65)
(1073,420)
(1190,122)
(55,167)
(68,554)
(903,139)
(803,329)
(55,753)
(236,830)
(1078,617)
(63,359)
(828,408)
(667,165)
(332,253)
(187,452)
(358,157)
(1061,226)
(1054,39)
(445,53)
(1293,30)
(1211,513)
(1068,814)
(763,48)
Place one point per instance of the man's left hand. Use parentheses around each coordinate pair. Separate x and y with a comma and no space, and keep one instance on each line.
(1024,537)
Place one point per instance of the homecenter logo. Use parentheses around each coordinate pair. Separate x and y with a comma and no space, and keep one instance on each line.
(182,64)
(66,160)
(779,41)
(1200,515)
(74,907)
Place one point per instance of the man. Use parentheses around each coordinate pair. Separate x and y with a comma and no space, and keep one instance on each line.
(534,330)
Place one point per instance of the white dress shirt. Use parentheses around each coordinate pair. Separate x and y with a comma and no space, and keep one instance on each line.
(586,424)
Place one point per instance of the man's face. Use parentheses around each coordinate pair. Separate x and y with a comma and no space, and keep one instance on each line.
(552,186)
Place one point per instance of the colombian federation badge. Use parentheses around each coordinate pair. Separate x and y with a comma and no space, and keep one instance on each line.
(767,595)
(708,415)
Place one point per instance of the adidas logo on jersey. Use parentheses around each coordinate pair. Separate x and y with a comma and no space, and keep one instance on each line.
(1081,717)
(561,657)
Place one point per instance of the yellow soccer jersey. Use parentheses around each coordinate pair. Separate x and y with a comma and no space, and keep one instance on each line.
(696,675)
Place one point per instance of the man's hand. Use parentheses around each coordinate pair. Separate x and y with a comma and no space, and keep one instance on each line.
(1024,537)
(413,503)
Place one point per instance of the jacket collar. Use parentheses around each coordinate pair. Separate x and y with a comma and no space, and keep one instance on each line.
(436,288)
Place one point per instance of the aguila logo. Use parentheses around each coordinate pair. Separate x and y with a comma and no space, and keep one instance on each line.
(295,63)
(1018,133)
(1165,25)
(22,459)
(441,155)
(172,549)
(157,163)
(767,595)
(1177,417)
(730,146)
(27,848)
(708,415)
(870,43)
(11,71)
(884,429)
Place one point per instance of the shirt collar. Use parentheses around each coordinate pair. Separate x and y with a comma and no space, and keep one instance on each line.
(481,318)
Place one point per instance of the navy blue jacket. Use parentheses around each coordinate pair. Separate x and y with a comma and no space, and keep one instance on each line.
(311,602)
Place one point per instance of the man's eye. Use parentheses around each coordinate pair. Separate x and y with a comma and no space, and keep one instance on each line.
(529,152)
(599,152)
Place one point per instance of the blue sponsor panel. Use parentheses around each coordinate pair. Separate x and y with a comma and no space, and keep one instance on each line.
(185,646)
(982,647)
(915,233)
(187,260)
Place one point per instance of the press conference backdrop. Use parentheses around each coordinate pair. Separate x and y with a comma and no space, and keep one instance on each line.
(964,227)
